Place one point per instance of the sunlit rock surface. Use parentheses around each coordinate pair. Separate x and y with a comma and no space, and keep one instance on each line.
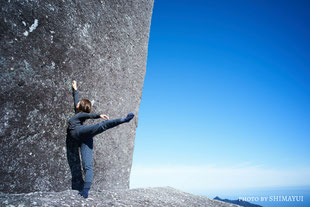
(151,197)
(44,46)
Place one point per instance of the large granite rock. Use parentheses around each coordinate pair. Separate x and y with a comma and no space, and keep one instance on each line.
(142,197)
(44,46)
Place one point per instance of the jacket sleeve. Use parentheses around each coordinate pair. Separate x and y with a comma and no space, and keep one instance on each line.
(75,97)
(85,115)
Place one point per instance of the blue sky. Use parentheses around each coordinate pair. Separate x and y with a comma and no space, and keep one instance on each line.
(226,93)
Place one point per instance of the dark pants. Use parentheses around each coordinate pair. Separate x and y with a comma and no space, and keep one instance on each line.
(82,137)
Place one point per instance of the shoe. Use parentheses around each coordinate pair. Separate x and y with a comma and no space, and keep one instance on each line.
(128,117)
(84,192)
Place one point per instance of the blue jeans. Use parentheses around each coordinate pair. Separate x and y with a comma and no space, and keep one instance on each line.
(82,137)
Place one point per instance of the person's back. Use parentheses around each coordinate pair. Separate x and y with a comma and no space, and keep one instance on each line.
(79,118)
(82,110)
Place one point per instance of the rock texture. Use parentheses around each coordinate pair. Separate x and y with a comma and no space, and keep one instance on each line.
(44,46)
(151,197)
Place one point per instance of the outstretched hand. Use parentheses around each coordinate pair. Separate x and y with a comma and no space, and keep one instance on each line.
(104,116)
(74,85)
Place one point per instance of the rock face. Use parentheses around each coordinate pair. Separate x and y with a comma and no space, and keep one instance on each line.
(44,46)
(151,197)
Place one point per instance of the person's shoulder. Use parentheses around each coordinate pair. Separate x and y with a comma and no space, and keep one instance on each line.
(82,113)
(76,115)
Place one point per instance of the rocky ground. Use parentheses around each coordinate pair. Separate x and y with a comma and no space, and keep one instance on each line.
(155,197)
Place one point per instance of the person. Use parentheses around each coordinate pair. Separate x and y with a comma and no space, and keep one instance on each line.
(83,134)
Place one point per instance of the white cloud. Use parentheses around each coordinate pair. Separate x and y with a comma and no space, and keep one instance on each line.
(211,177)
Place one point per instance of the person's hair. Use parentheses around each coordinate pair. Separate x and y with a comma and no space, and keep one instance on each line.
(85,106)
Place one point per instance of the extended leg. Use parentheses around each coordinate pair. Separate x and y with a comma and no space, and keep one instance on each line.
(93,130)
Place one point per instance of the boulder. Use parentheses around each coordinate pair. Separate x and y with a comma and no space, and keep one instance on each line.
(44,46)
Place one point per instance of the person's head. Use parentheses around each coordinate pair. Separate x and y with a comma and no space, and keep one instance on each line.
(84,105)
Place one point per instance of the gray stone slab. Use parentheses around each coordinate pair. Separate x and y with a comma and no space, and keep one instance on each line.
(44,46)
(140,197)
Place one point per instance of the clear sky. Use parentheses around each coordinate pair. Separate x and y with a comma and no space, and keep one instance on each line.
(226,96)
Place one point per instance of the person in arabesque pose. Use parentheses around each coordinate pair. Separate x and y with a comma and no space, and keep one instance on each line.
(83,134)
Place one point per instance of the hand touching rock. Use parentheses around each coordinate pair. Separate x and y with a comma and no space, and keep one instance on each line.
(74,85)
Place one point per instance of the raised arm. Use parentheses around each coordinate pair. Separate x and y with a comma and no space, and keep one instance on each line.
(75,94)
(85,115)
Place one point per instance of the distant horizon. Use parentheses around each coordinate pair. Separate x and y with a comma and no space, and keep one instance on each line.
(251,194)
(257,189)
(197,179)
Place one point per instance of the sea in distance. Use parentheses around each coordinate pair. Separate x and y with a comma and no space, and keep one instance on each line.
(297,196)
